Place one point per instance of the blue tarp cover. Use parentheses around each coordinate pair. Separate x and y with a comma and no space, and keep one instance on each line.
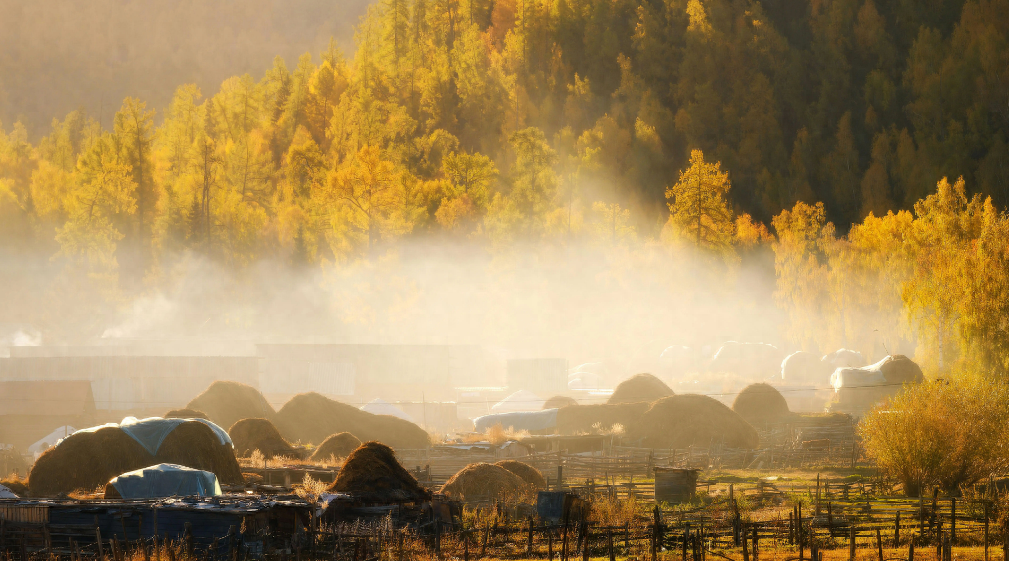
(526,420)
(166,480)
(151,432)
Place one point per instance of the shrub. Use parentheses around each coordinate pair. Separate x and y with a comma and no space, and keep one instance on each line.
(948,433)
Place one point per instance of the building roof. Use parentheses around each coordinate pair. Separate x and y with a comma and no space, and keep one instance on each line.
(53,398)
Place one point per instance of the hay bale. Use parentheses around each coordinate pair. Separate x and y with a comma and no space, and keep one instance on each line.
(372,474)
(639,388)
(760,403)
(339,445)
(558,401)
(482,481)
(310,417)
(582,419)
(259,434)
(186,414)
(901,370)
(226,403)
(88,460)
(526,472)
(682,420)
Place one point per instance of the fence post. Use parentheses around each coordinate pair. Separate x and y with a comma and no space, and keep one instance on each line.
(986,531)
(550,545)
(879,544)
(529,542)
(851,543)
(98,540)
(952,520)
(896,530)
(686,536)
(791,527)
(609,545)
(756,539)
(486,534)
(798,528)
(465,546)
(910,549)
(585,544)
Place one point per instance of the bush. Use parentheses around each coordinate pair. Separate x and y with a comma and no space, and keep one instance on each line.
(949,433)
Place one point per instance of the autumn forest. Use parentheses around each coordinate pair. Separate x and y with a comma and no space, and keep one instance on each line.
(859,149)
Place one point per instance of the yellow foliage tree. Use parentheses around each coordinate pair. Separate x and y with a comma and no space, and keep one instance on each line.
(698,207)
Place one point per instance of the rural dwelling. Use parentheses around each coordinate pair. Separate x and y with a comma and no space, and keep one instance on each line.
(31,410)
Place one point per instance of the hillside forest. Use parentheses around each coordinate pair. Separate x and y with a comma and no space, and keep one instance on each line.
(860,149)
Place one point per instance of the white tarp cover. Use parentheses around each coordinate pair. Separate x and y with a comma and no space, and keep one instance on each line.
(379,406)
(6,493)
(151,432)
(166,480)
(51,439)
(522,420)
(862,377)
(522,400)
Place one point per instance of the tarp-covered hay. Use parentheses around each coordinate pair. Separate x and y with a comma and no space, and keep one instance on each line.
(226,403)
(680,421)
(639,388)
(88,460)
(588,419)
(372,474)
(338,445)
(760,403)
(526,472)
(311,417)
(186,414)
(250,435)
(482,481)
(558,401)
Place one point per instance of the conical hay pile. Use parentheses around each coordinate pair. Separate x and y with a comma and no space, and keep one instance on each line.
(581,418)
(760,403)
(558,401)
(901,370)
(680,421)
(186,414)
(226,403)
(259,434)
(638,388)
(372,473)
(339,445)
(482,481)
(526,472)
(310,417)
(88,460)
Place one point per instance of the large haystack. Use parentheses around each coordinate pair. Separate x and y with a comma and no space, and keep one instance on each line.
(639,388)
(586,419)
(759,404)
(482,481)
(88,460)
(558,401)
(901,370)
(372,474)
(339,445)
(310,417)
(526,472)
(186,414)
(259,434)
(680,421)
(226,403)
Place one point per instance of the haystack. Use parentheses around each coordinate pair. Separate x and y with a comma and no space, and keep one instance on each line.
(584,418)
(680,421)
(185,414)
(339,445)
(901,370)
(250,435)
(558,401)
(310,417)
(482,481)
(88,460)
(759,404)
(372,474)
(526,472)
(639,388)
(226,403)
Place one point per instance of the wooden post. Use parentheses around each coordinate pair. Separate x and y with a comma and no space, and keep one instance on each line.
(952,520)
(686,536)
(798,528)
(465,546)
(910,549)
(851,543)
(791,527)
(550,545)
(896,530)
(585,543)
(756,538)
(879,544)
(609,545)
(529,541)
(986,531)
(830,519)
(817,511)
(483,546)
(402,537)
(98,540)
(656,532)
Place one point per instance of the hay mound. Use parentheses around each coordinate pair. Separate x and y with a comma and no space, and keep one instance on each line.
(526,472)
(339,445)
(558,401)
(373,474)
(482,481)
(760,403)
(683,420)
(582,418)
(639,388)
(901,370)
(186,414)
(226,403)
(310,417)
(259,434)
(17,485)
(88,460)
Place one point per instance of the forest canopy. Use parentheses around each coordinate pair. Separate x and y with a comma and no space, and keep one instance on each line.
(863,146)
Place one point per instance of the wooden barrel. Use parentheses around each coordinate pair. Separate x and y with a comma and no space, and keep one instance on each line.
(675,485)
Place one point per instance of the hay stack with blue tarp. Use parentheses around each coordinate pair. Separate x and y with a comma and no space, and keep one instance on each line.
(89,458)
(163,480)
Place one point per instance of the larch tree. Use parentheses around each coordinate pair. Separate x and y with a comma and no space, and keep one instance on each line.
(697,204)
